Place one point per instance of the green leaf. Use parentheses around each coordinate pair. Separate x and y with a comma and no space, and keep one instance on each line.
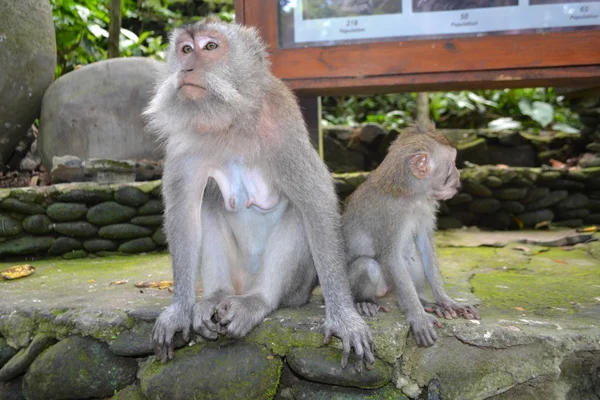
(565,128)
(505,123)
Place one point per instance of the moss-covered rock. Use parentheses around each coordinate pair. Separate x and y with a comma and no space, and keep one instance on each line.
(9,226)
(95,245)
(79,229)
(25,245)
(137,246)
(551,199)
(65,212)
(37,224)
(159,237)
(109,212)
(156,192)
(132,392)
(6,352)
(476,188)
(460,198)
(75,254)
(79,368)
(154,206)
(21,207)
(532,218)
(131,196)
(148,220)
(18,329)
(88,196)
(20,362)
(572,201)
(64,245)
(485,206)
(513,207)
(137,342)
(323,365)
(233,370)
(511,193)
(123,231)
(535,193)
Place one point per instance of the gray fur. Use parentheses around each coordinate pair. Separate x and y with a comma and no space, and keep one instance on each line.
(251,119)
(388,227)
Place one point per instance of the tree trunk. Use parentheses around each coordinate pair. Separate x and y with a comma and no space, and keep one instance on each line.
(114,28)
(423,107)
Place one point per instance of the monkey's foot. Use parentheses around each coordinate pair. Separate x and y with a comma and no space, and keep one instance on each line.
(369,308)
(204,316)
(424,330)
(354,333)
(451,309)
(237,315)
(172,320)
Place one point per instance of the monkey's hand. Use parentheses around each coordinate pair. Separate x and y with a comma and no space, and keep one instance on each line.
(205,319)
(354,333)
(449,309)
(237,315)
(175,318)
(423,328)
(369,308)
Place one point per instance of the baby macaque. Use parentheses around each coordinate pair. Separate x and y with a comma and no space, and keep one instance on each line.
(389,224)
(248,202)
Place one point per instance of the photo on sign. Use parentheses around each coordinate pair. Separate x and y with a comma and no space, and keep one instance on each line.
(450,5)
(537,2)
(321,9)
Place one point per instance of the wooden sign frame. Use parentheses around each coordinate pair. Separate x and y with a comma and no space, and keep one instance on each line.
(486,62)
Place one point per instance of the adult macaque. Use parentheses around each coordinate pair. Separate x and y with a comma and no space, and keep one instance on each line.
(247,200)
(389,224)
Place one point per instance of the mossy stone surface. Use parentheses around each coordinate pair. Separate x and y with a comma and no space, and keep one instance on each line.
(63,245)
(79,229)
(131,196)
(6,352)
(78,367)
(159,237)
(233,370)
(154,206)
(141,245)
(26,245)
(123,231)
(66,212)
(9,226)
(37,224)
(20,362)
(148,220)
(110,212)
(88,196)
(94,245)
(21,207)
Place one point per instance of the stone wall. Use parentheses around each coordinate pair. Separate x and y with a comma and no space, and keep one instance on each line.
(74,220)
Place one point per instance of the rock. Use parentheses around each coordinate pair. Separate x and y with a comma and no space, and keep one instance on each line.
(370,131)
(499,220)
(443,209)
(75,254)
(466,217)
(572,186)
(20,362)
(85,196)
(153,206)
(32,159)
(444,223)
(95,112)
(513,207)
(493,182)
(28,67)
(569,223)
(339,132)
(37,224)
(131,196)
(593,183)
(511,193)
(577,175)
(593,205)
(530,219)
(137,342)
(535,193)
(79,368)
(6,352)
(64,245)
(459,198)
(234,370)
(137,246)
(521,182)
(549,176)
(551,199)
(159,237)
(506,175)
(339,158)
(485,206)
(21,207)
(65,212)
(95,245)
(11,390)
(148,220)
(26,245)
(123,231)
(323,365)
(156,192)
(76,229)
(109,212)
(572,214)
(132,392)
(590,162)
(592,219)
(593,147)
(9,226)
(573,201)
(67,169)
(476,189)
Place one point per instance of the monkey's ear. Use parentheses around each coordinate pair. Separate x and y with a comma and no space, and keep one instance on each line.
(419,165)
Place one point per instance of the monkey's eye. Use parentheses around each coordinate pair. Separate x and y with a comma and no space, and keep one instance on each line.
(186,49)
(211,46)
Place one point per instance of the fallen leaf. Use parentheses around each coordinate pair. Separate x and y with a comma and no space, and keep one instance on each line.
(557,164)
(171,290)
(542,225)
(117,282)
(17,271)
(92,281)
(588,229)
(522,248)
(269,357)
(559,261)
(519,308)
(519,222)
(502,166)
(159,284)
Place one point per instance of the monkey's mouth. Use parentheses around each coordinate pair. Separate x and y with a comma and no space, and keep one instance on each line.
(192,91)
(185,84)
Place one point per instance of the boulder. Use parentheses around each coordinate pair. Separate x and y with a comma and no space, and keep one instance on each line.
(95,112)
(28,60)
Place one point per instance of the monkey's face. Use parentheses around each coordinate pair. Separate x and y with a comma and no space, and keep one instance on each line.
(446,178)
(198,52)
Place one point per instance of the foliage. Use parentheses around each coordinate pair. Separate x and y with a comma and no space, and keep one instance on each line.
(82,27)
(531,109)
